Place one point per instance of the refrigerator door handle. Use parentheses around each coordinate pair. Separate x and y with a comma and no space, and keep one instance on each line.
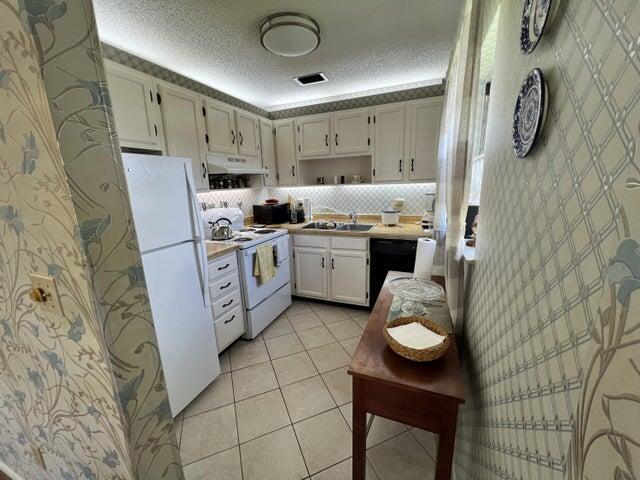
(199,239)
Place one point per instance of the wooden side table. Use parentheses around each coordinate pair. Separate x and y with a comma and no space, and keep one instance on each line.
(425,395)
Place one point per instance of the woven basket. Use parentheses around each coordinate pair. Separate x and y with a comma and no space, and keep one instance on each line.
(418,355)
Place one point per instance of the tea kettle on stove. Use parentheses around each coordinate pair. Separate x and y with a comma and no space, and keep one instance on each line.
(221,232)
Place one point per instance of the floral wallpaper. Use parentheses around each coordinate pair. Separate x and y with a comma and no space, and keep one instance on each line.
(551,332)
(86,388)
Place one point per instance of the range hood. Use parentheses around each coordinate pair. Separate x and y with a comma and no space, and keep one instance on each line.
(223,165)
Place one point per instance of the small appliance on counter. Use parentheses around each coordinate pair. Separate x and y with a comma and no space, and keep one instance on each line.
(390,217)
(271,214)
(211,216)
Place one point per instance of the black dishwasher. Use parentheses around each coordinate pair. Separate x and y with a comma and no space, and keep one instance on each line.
(399,255)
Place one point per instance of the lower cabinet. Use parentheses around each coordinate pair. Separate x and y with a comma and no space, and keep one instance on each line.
(226,300)
(332,268)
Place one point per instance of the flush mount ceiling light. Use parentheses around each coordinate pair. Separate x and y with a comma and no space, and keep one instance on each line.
(290,34)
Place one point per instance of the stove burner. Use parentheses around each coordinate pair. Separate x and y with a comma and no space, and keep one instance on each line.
(242,239)
(265,230)
(247,230)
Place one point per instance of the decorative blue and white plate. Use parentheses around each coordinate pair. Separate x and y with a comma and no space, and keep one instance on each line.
(535,15)
(530,112)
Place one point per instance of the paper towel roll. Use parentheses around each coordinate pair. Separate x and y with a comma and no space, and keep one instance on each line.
(424,258)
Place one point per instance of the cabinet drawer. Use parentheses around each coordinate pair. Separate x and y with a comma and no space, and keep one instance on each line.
(229,327)
(222,266)
(225,285)
(310,241)
(349,243)
(226,304)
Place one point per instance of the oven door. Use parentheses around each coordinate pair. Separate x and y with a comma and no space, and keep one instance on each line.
(254,291)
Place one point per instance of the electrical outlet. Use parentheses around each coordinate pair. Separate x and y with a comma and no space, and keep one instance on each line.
(45,292)
(38,457)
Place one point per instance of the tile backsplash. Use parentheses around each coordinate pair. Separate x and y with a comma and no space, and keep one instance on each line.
(363,198)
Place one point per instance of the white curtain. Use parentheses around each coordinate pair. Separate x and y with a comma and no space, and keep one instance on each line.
(454,159)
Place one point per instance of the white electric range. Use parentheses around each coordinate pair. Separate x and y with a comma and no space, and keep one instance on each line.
(263,302)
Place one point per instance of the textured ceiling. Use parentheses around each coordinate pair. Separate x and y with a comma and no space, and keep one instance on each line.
(367,46)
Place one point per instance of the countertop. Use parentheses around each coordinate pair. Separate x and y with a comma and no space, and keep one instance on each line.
(215,250)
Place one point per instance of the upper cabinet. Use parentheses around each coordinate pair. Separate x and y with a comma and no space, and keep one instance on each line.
(390,128)
(313,136)
(425,129)
(248,138)
(221,127)
(286,152)
(351,131)
(135,107)
(184,128)
(268,152)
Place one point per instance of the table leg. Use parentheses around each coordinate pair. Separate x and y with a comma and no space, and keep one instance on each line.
(445,452)
(359,422)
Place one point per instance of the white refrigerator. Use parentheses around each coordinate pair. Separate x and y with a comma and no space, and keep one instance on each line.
(171,240)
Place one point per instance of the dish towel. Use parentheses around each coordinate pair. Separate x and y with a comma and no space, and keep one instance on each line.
(264,266)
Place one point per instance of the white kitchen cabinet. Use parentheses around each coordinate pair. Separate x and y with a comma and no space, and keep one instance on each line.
(313,136)
(268,152)
(425,129)
(390,127)
(226,300)
(248,138)
(220,120)
(184,129)
(311,271)
(351,132)
(286,152)
(349,276)
(135,107)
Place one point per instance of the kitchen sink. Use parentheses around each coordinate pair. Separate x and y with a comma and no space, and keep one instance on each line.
(320,226)
(354,227)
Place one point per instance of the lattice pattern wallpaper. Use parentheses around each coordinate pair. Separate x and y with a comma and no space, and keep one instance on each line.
(553,353)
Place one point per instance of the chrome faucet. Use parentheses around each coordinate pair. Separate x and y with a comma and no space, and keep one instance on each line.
(353,216)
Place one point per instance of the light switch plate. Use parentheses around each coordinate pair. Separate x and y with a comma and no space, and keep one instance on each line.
(52,303)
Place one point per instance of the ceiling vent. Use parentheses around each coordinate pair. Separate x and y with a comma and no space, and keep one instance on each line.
(312,79)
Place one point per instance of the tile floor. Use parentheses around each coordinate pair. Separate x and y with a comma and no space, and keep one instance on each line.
(281,409)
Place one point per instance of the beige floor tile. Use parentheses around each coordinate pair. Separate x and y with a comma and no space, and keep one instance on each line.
(339,384)
(342,471)
(294,368)
(261,414)
(274,456)
(297,307)
(218,394)
(246,354)
(401,458)
(345,329)
(254,380)
(316,337)
(428,440)
(329,357)
(221,466)
(284,345)
(325,440)
(350,345)
(305,321)
(331,315)
(225,366)
(362,321)
(357,312)
(208,433)
(306,398)
(280,326)
(382,429)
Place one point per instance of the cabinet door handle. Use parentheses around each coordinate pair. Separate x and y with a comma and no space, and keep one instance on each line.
(225,267)
(155,129)
(204,170)
(224,305)
(293,170)
(412,165)
(322,262)
(326,140)
(241,138)
(333,265)
(230,320)
(336,139)
(225,286)
(400,165)
(233,138)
